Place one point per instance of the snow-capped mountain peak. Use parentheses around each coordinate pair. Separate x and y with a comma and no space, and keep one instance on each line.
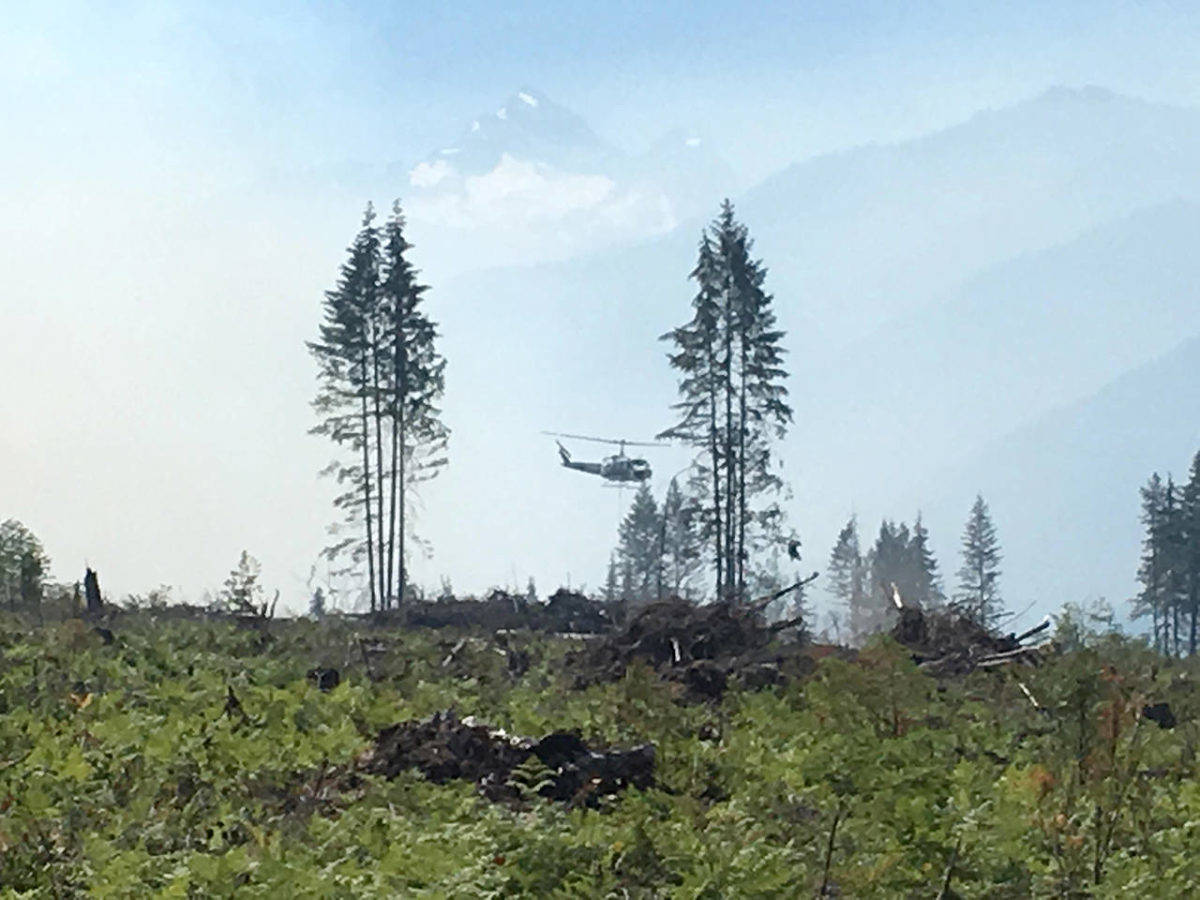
(533,173)
(527,126)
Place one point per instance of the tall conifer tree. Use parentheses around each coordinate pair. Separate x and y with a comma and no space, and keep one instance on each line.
(926,580)
(847,579)
(733,402)
(639,549)
(1189,542)
(1154,570)
(380,377)
(979,576)
(680,543)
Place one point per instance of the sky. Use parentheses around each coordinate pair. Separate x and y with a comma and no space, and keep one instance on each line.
(166,228)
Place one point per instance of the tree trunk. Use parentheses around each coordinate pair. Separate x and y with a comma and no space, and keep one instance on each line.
(714,451)
(730,461)
(366,475)
(741,488)
(391,540)
(1193,602)
(377,414)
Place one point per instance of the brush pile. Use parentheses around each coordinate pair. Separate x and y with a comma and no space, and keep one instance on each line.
(699,646)
(445,747)
(564,611)
(945,642)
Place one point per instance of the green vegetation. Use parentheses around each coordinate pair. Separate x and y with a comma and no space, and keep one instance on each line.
(1170,565)
(125,771)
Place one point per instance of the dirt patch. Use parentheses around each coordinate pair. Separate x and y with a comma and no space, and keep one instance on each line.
(444,748)
(703,647)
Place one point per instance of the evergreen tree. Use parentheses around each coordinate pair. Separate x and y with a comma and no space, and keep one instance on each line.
(23,565)
(887,565)
(680,543)
(847,579)
(242,592)
(639,548)
(415,383)
(612,582)
(733,402)
(1154,568)
(925,580)
(1173,547)
(978,578)
(316,604)
(1189,544)
(380,378)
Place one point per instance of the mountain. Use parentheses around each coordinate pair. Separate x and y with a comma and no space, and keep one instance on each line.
(877,231)
(937,293)
(529,126)
(531,182)
(1043,329)
(1064,489)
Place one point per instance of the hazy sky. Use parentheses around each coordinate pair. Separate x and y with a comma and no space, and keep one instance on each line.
(156,283)
(231,87)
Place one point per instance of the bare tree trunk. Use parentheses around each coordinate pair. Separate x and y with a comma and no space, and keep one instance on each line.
(741,487)
(730,460)
(823,891)
(716,473)
(366,475)
(400,474)
(1194,601)
(400,379)
(377,413)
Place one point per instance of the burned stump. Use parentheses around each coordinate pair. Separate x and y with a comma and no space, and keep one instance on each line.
(444,748)
(1160,714)
(91,590)
(324,679)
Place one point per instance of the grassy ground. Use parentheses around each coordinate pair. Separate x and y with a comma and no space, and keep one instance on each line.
(125,772)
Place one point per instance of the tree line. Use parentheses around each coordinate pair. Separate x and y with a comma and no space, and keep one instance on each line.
(1169,569)
(719,533)
(863,582)
(381,378)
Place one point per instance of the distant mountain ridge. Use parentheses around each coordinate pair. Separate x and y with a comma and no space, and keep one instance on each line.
(1064,488)
(531,182)
(938,294)
(877,231)
(527,125)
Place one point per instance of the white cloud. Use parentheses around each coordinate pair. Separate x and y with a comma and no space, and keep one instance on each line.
(528,212)
(428,175)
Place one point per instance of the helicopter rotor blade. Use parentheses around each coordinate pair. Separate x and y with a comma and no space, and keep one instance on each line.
(599,440)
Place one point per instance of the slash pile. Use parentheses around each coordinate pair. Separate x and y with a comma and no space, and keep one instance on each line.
(945,642)
(700,646)
(445,747)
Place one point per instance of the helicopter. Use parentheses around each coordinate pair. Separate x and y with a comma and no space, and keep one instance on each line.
(617,469)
